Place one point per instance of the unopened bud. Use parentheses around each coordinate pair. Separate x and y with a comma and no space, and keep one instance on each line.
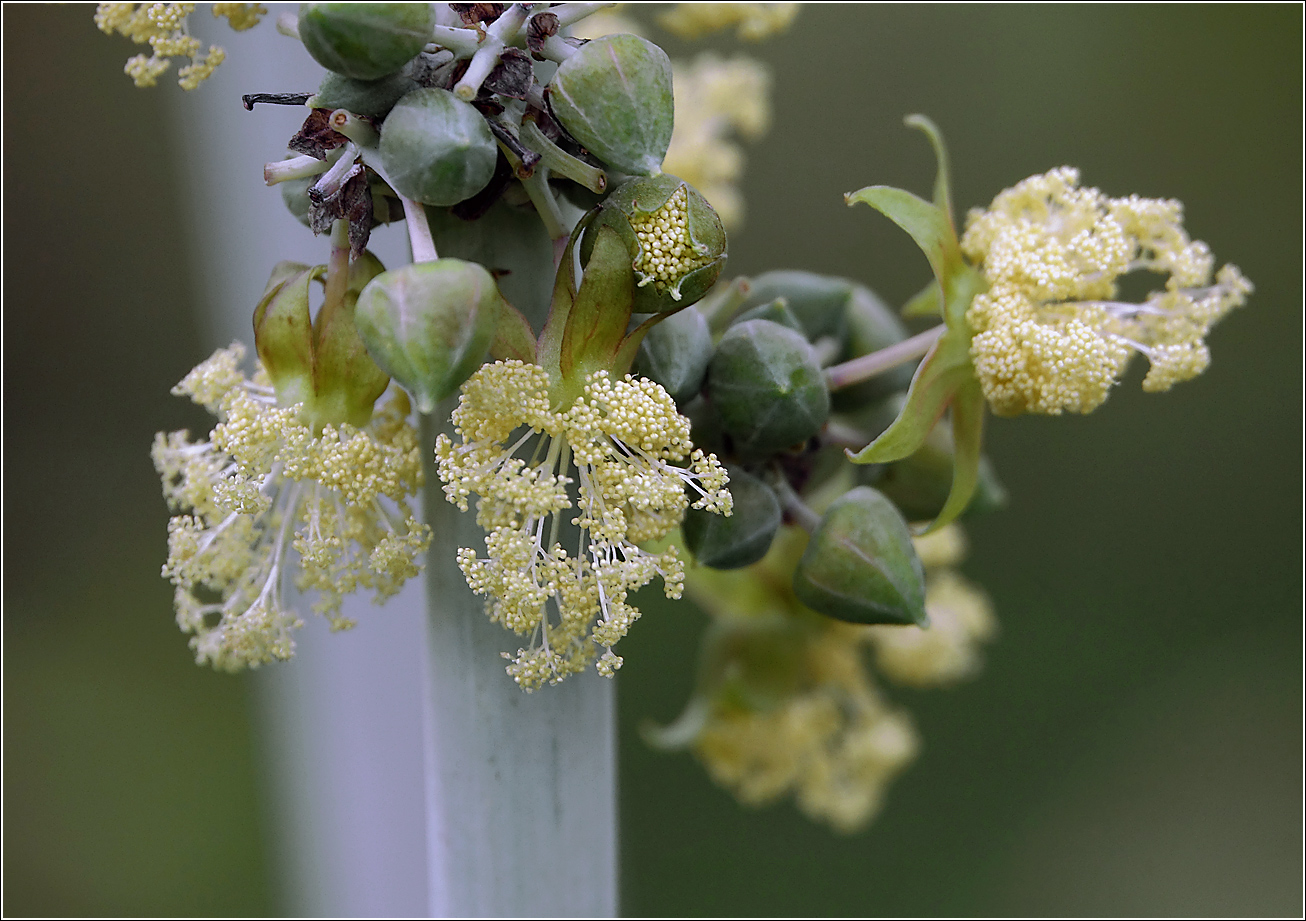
(742,538)
(675,354)
(613,95)
(767,387)
(860,565)
(365,41)
(430,324)
(437,149)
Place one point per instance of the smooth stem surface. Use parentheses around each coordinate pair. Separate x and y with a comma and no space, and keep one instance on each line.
(521,788)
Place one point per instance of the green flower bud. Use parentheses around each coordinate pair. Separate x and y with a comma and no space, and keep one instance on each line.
(430,324)
(767,387)
(365,41)
(818,302)
(860,565)
(745,536)
(777,311)
(372,98)
(675,239)
(613,95)
(872,326)
(675,354)
(437,149)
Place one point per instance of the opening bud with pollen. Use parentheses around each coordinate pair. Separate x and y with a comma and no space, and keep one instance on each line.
(437,149)
(676,242)
(741,539)
(365,41)
(613,95)
(319,362)
(860,565)
(430,324)
(767,388)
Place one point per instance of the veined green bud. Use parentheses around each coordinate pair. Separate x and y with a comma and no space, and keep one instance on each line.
(872,326)
(373,98)
(613,95)
(675,354)
(860,565)
(430,324)
(777,311)
(745,536)
(320,363)
(676,242)
(365,41)
(767,387)
(437,149)
(818,302)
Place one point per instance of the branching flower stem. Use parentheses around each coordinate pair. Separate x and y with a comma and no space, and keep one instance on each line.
(876,363)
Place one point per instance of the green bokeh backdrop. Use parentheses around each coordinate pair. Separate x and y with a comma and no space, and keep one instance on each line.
(1134,744)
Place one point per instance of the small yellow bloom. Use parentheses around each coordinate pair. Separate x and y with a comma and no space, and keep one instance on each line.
(1049,335)
(627,444)
(755,21)
(165,28)
(264,484)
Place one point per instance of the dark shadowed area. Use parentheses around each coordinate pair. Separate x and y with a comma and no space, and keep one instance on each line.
(1134,744)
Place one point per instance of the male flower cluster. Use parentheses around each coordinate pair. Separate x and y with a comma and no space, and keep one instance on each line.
(264,484)
(1049,334)
(626,442)
(164,27)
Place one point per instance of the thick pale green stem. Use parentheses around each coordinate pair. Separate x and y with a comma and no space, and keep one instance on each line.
(521,789)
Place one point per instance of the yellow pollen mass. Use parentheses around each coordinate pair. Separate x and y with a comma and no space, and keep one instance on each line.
(566,496)
(1050,335)
(666,253)
(263,485)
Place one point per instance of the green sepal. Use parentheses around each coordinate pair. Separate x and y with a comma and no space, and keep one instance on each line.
(941,373)
(320,363)
(925,223)
(946,376)
(346,381)
(860,565)
(283,331)
(586,328)
(513,338)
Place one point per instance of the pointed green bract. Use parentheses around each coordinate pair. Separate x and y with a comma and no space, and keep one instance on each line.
(946,376)
(283,331)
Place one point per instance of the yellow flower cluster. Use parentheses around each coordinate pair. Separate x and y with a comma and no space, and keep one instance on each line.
(666,253)
(960,619)
(836,744)
(755,21)
(264,484)
(1049,335)
(716,100)
(164,27)
(627,442)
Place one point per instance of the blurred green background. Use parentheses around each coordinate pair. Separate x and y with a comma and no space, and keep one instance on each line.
(1134,744)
